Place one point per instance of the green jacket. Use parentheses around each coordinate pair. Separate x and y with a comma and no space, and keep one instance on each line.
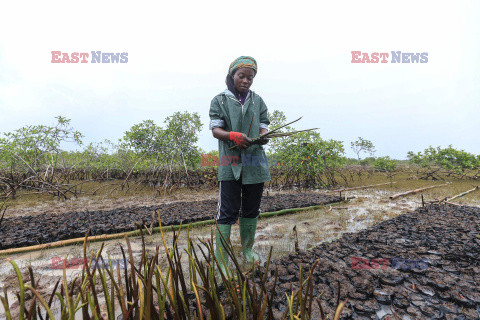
(226,111)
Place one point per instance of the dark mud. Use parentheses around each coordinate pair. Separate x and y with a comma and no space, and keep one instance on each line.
(421,265)
(25,231)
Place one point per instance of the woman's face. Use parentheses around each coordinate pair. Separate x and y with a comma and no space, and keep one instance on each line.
(243,79)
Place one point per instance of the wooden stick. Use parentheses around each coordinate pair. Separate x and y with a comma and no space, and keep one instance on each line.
(453,204)
(398,195)
(251,121)
(287,134)
(363,187)
(267,133)
(153,230)
(62,243)
(463,193)
(276,129)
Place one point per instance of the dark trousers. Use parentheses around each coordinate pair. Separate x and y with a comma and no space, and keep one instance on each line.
(236,198)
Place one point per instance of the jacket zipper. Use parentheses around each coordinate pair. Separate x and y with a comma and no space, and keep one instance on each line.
(235,99)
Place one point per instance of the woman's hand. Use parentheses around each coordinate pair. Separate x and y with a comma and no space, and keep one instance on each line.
(261,141)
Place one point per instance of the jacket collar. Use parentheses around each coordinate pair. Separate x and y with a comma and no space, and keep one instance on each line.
(250,94)
(229,93)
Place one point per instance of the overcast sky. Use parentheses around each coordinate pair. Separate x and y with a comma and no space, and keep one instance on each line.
(179,53)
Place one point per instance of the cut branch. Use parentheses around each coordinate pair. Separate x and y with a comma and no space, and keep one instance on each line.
(398,195)
(462,194)
(362,187)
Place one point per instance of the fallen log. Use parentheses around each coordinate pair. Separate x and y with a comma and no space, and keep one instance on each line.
(362,187)
(463,193)
(398,195)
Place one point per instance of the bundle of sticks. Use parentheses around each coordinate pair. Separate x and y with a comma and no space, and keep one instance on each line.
(274,134)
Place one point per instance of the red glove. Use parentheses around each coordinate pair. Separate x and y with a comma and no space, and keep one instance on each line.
(240,139)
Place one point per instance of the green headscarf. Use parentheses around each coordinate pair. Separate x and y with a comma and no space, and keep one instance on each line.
(242,62)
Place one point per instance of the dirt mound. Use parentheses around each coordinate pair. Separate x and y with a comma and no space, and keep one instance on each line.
(49,227)
(421,265)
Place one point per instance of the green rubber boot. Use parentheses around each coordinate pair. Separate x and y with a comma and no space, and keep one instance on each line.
(248,227)
(225,230)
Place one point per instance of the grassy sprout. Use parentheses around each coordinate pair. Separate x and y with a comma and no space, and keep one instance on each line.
(143,290)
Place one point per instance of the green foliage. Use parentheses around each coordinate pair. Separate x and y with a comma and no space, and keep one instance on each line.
(362,145)
(367,161)
(306,154)
(169,147)
(277,118)
(145,137)
(213,153)
(182,136)
(385,164)
(101,156)
(448,158)
(33,158)
(35,147)
(173,145)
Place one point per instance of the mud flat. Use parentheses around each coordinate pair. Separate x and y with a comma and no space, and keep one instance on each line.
(424,264)
(16,232)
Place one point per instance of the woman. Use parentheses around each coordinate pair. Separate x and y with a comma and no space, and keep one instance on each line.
(236,116)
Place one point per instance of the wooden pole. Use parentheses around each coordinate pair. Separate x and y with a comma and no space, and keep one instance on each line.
(357,188)
(154,230)
(97,238)
(398,195)
(463,193)
(453,204)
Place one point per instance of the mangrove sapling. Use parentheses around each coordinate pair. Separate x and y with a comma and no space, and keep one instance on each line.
(385,164)
(362,145)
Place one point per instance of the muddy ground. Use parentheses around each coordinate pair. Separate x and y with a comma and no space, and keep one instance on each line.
(25,206)
(421,265)
(314,227)
(16,232)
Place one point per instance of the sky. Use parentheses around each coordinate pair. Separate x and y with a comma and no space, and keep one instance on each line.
(179,53)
